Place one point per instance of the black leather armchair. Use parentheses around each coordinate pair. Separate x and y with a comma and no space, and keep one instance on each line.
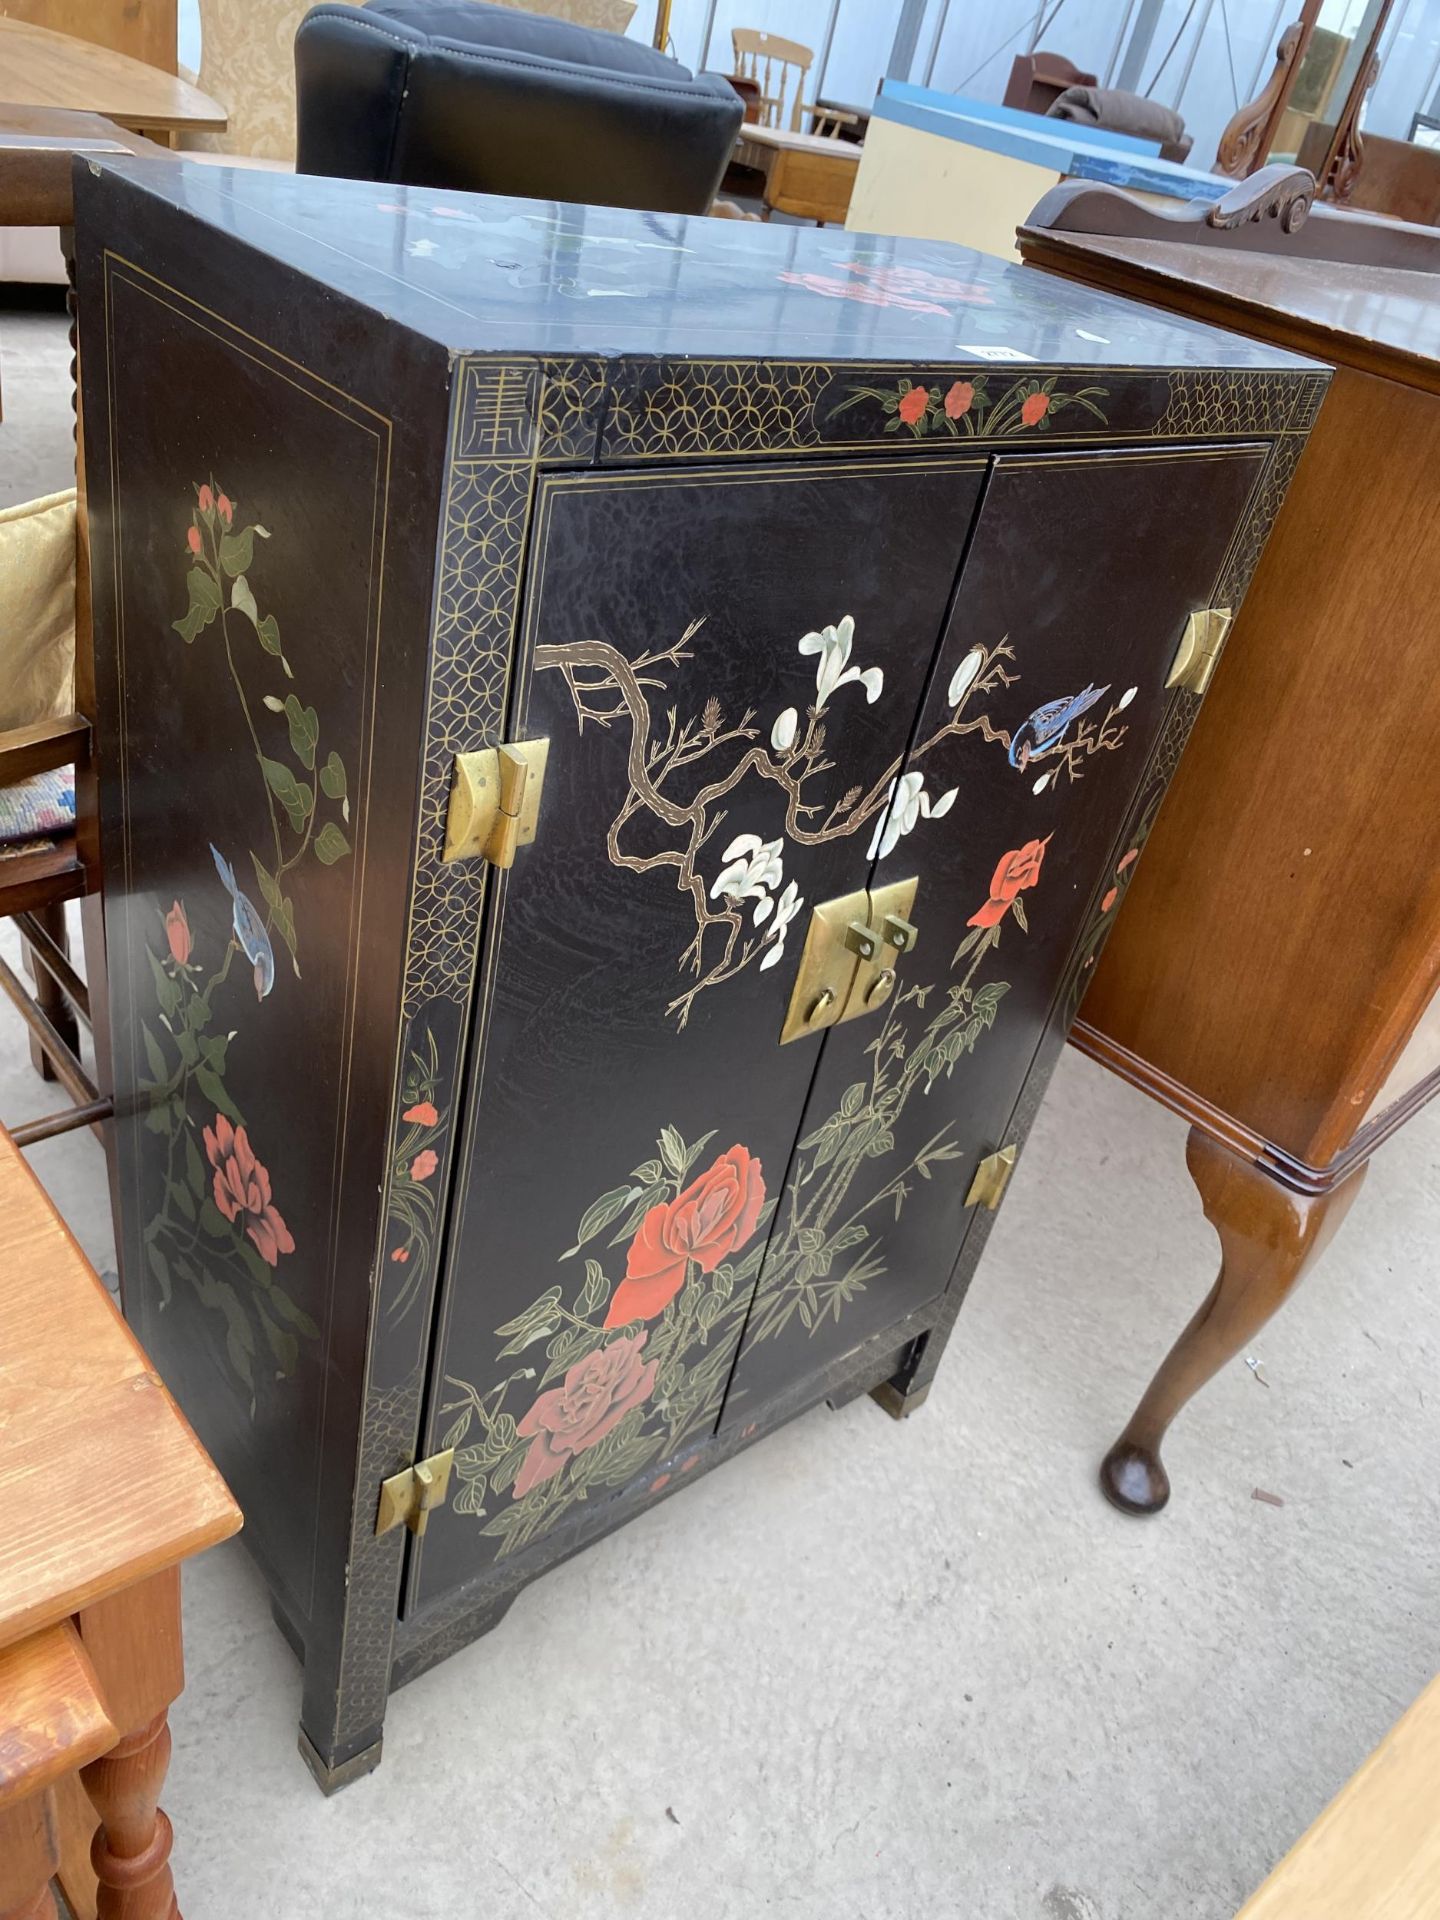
(453,93)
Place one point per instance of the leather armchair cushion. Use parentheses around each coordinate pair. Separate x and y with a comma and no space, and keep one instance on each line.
(488,99)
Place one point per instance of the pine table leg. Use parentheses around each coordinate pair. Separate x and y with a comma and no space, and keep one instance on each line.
(131,1852)
(133,1640)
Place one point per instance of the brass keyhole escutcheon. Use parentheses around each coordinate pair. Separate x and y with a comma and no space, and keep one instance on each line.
(852,948)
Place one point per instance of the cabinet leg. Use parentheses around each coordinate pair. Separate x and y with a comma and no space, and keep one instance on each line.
(1269,1237)
(131,1852)
(48,997)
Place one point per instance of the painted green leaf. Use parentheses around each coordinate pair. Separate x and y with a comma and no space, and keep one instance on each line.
(330,844)
(672,1152)
(297,1316)
(153,1054)
(203,607)
(160,1267)
(243,601)
(332,777)
(268,632)
(283,1345)
(1017,907)
(185,1206)
(596,1287)
(212,1221)
(194,1166)
(294,795)
(238,549)
(213,1088)
(304,730)
(596,1217)
(282,910)
(167,990)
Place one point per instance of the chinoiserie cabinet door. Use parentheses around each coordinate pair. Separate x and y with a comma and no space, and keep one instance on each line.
(727,664)
(1045,703)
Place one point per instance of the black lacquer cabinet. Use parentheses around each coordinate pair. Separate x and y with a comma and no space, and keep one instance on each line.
(619,739)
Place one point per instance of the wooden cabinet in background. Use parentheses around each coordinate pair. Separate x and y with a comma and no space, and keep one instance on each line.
(833,662)
(1273,973)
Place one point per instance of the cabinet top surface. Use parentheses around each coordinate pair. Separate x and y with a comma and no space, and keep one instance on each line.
(1341,310)
(481,274)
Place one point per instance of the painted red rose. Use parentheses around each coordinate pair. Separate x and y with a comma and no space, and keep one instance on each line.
(207,499)
(177,934)
(959,399)
(242,1189)
(402,1254)
(1111,897)
(423,1114)
(424,1164)
(1034,409)
(1016,872)
(192,539)
(709,1221)
(1129,860)
(913,404)
(227,508)
(591,1401)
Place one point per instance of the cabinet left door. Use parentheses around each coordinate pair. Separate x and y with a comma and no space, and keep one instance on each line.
(727,663)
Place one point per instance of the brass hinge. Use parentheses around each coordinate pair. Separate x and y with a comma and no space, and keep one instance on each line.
(1199,650)
(413,1494)
(992,1176)
(847,968)
(495,801)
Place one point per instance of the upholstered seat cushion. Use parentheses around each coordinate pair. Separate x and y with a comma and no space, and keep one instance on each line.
(35,808)
(37,609)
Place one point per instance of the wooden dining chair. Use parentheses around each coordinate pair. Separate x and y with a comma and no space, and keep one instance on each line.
(778,67)
(44,568)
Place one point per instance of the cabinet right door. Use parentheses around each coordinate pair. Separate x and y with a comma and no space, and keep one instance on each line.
(1040,714)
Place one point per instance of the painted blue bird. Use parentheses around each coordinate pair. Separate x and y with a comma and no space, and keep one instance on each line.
(249,928)
(1043,732)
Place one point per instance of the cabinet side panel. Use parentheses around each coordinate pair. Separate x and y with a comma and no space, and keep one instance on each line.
(263,462)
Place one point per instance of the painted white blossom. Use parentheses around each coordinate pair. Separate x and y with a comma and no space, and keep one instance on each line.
(1125,699)
(786,908)
(753,867)
(908,805)
(963,675)
(1043,782)
(833,646)
(782,734)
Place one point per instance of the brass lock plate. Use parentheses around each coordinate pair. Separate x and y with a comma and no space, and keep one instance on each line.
(992,1176)
(874,981)
(412,1495)
(495,801)
(827,966)
(1200,648)
(848,965)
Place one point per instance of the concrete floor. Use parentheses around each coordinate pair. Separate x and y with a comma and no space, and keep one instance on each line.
(869,1670)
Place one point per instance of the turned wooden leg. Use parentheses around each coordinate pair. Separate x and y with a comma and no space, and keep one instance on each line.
(48,997)
(1269,1237)
(28,1858)
(131,1853)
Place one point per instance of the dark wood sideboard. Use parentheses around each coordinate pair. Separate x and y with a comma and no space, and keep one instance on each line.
(1272,975)
(616,735)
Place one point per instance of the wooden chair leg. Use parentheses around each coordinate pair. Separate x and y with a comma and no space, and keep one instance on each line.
(1269,1237)
(48,997)
(28,1858)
